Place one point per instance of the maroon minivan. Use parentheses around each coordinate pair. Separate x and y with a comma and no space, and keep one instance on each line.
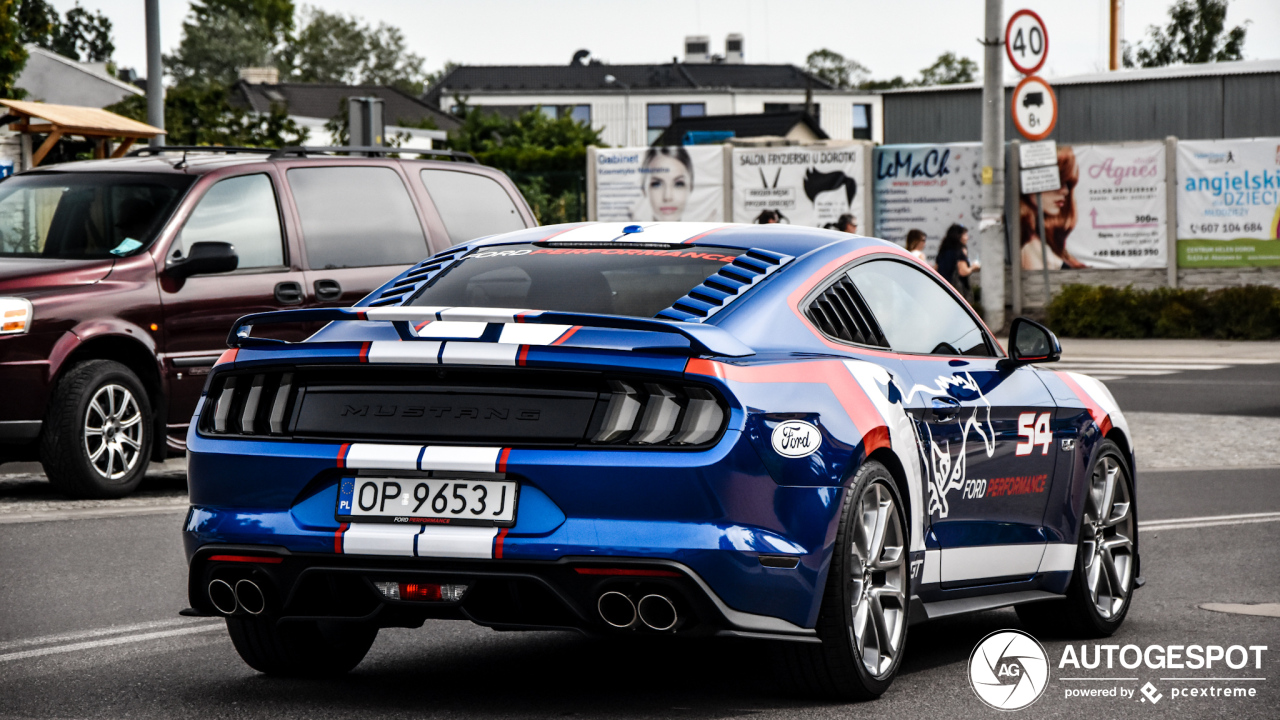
(119,280)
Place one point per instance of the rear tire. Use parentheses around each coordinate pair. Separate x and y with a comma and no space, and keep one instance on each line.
(97,434)
(862,622)
(1101,587)
(300,649)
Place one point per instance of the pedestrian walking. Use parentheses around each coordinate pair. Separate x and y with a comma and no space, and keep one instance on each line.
(953,260)
(915,243)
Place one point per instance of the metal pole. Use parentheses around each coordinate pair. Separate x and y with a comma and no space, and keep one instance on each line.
(1044,248)
(155,72)
(992,224)
(1116,6)
(627,110)
(1012,222)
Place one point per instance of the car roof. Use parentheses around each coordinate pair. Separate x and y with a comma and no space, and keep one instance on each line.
(199,163)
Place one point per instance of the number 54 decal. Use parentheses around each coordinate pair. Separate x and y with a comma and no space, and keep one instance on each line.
(1033,430)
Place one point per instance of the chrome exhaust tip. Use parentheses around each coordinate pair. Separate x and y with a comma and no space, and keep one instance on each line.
(222,597)
(657,612)
(250,597)
(617,609)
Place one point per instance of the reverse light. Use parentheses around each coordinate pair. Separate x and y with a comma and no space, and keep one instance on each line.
(428,592)
(16,315)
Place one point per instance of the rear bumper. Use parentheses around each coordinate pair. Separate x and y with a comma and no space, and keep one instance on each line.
(505,594)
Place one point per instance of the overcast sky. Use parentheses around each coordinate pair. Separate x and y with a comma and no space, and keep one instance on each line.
(891,38)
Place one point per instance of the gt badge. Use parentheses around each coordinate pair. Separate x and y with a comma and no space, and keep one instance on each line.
(796,438)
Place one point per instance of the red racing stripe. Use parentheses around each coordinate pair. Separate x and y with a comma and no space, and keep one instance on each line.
(523,355)
(342,454)
(337,537)
(699,236)
(1100,417)
(567,334)
(364,351)
(502,459)
(497,543)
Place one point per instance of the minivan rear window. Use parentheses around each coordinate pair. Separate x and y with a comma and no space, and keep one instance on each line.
(612,280)
(85,215)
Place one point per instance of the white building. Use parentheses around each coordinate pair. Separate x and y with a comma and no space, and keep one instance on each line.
(632,104)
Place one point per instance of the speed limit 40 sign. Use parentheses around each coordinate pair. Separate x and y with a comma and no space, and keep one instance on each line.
(1026,42)
(1035,108)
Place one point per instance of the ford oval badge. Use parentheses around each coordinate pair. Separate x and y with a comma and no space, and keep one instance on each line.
(796,438)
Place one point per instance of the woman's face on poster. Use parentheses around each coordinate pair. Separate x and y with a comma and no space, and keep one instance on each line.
(668,187)
(1055,202)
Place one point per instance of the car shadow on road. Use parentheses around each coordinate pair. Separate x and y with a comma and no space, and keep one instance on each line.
(449,668)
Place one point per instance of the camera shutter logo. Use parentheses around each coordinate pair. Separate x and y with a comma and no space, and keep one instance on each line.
(1009,670)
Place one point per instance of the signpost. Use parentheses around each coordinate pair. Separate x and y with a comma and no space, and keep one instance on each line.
(1035,113)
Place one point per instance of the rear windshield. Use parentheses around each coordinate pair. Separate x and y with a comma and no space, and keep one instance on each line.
(615,280)
(85,215)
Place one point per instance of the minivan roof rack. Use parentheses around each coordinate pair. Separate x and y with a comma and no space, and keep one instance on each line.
(373,150)
(228,149)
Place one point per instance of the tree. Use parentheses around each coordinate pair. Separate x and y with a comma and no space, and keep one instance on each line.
(202,114)
(13,55)
(221,36)
(948,70)
(1196,33)
(82,36)
(335,48)
(835,69)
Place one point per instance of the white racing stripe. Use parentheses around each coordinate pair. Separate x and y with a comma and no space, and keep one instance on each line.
(1208,521)
(191,629)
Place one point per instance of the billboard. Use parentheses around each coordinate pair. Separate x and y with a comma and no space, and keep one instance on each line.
(669,184)
(1229,203)
(810,186)
(1110,211)
(927,188)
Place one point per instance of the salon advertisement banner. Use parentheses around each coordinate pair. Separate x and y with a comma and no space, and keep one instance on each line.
(1229,203)
(927,188)
(810,186)
(666,184)
(1109,212)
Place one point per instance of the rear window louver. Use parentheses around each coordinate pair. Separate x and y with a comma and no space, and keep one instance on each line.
(419,275)
(716,292)
(841,313)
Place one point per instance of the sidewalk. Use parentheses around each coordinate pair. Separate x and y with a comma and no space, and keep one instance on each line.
(1157,349)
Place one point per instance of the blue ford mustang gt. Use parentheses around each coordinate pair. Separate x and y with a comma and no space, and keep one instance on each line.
(765,432)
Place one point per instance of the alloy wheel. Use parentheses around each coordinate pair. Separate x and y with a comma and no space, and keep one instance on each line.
(1107,539)
(113,430)
(878,576)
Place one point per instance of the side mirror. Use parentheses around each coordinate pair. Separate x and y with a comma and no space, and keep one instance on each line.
(1031,342)
(205,258)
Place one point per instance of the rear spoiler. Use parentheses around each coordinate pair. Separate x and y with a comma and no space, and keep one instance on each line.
(703,339)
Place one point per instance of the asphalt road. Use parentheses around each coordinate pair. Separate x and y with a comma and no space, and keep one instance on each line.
(89,625)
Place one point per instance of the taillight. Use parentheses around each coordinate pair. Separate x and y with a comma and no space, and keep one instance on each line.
(250,404)
(659,414)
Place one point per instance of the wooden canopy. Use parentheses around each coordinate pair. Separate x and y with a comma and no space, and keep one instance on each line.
(89,123)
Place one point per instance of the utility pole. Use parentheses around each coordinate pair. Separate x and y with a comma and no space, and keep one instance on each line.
(155,72)
(991,228)
(1117,13)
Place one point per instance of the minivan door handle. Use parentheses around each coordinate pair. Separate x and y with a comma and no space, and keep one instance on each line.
(288,293)
(327,289)
(945,409)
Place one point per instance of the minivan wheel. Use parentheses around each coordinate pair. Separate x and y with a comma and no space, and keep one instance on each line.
(96,439)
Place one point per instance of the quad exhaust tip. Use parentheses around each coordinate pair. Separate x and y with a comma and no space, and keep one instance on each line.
(222,596)
(657,612)
(617,609)
(250,597)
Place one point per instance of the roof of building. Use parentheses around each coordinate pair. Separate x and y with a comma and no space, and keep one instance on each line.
(667,76)
(86,69)
(321,100)
(73,118)
(742,126)
(1170,72)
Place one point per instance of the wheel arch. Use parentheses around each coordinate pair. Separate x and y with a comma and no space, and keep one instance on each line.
(889,459)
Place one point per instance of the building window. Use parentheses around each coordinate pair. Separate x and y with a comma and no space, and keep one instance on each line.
(815,110)
(660,116)
(861,122)
(580,113)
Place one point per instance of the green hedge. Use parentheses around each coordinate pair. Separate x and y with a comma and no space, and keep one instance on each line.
(1250,312)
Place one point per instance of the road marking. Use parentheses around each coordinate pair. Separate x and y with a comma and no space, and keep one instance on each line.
(1259,609)
(1117,368)
(1162,365)
(98,632)
(1170,360)
(91,513)
(1209,521)
(107,642)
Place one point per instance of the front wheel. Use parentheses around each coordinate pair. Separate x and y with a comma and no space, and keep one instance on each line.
(96,439)
(863,619)
(300,648)
(1102,581)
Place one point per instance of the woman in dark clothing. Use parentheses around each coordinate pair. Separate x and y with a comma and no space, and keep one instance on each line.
(953,260)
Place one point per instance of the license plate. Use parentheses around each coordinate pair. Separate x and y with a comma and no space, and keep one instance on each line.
(442,501)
